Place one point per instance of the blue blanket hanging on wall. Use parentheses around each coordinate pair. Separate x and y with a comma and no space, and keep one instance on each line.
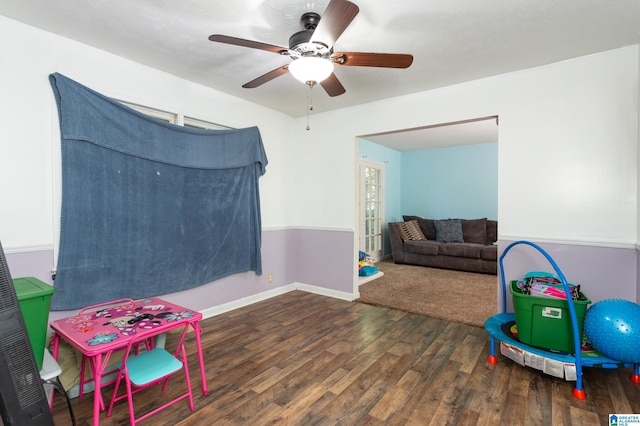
(148,207)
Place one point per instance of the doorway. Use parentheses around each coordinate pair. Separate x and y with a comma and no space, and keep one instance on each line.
(372,184)
(393,149)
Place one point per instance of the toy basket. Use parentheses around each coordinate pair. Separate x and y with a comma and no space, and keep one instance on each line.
(545,322)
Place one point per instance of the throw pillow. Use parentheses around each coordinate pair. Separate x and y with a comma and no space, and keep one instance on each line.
(426,225)
(449,231)
(474,230)
(410,231)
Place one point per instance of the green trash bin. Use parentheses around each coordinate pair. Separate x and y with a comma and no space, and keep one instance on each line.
(34,298)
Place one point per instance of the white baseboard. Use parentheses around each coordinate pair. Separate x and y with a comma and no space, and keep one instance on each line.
(249,300)
(246,301)
(325,292)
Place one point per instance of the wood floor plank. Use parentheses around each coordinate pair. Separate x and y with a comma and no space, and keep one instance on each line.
(490,407)
(314,413)
(520,380)
(630,388)
(363,405)
(468,417)
(539,397)
(620,402)
(439,388)
(392,403)
(451,409)
(517,412)
(294,411)
(347,400)
(468,352)
(560,405)
(584,417)
(305,359)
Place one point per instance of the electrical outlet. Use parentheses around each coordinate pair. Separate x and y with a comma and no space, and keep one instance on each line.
(270,278)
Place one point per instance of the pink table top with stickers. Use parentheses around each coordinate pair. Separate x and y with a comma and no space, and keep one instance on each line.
(97,331)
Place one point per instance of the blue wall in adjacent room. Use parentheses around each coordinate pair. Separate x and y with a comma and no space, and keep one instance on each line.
(456,182)
(438,183)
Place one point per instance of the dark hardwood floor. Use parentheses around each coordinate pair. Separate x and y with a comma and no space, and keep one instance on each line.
(305,359)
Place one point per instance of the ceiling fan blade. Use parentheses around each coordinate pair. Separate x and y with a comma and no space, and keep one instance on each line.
(249,43)
(332,86)
(266,77)
(335,19)
(383,60)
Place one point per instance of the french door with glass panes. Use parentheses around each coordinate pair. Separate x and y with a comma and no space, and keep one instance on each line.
(371,208)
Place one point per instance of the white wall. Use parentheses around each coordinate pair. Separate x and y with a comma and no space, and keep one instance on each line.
(568,143)
(30,140)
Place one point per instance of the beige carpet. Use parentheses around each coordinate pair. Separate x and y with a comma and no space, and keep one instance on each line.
(451,295)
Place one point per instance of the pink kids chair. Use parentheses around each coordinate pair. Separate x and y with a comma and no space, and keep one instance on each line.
(145,368)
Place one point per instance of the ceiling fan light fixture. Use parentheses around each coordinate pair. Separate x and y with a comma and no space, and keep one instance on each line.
(310,69)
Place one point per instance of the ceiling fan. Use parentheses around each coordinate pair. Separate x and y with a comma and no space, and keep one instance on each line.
(311,50)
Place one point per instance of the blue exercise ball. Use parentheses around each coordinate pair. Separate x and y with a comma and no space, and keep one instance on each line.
(613,328)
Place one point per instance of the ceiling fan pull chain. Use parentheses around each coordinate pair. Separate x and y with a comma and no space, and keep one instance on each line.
(310,104)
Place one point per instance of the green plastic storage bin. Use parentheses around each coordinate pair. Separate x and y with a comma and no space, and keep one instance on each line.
(34,298)
(545,322)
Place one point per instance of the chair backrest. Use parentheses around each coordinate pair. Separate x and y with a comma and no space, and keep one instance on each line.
(145,342)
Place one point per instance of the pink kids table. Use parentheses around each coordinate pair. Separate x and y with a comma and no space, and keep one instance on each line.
(100,330)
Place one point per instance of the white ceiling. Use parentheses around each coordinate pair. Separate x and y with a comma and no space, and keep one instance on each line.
(469,132)
(452,41)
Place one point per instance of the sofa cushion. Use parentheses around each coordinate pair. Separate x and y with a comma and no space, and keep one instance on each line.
(474,230)
(427,226)
(467,250)
(410,231)
(426,247)
(492,231)
(489,253)
(449,231)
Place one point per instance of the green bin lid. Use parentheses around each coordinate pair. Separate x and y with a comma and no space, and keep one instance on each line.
(29,287)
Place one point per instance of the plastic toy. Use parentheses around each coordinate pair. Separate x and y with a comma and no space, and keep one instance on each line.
(613,328)
(365,265)
(494,324)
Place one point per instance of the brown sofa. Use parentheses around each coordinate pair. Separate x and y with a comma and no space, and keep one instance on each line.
(461,244)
